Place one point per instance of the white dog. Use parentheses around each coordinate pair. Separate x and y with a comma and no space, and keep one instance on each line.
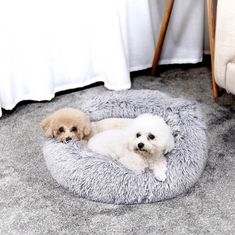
(140,145)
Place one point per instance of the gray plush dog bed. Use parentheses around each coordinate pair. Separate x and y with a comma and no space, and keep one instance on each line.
(100,178)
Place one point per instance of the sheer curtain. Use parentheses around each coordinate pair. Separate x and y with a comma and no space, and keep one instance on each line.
(52,45)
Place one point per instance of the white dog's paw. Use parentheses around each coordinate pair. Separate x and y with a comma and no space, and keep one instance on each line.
(159,169)
(160,176)
(134,163)
(137,168)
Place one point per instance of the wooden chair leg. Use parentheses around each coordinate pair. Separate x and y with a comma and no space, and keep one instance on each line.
(165,22)
(211,13)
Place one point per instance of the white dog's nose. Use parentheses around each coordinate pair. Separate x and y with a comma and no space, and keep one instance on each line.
(140,145)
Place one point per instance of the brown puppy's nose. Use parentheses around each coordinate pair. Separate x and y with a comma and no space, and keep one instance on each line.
(68,139)
(140,145)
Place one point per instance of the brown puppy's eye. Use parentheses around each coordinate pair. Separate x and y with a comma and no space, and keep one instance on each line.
(61,129)
(151,137)
(74,128)
(138,135)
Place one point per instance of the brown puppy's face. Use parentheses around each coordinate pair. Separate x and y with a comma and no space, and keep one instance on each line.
(67,124)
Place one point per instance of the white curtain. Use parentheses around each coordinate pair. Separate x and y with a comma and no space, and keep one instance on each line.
(52,45)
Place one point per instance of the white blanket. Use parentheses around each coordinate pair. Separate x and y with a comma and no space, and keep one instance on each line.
(52,45)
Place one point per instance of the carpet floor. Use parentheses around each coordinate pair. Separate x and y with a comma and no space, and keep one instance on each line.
(31,202)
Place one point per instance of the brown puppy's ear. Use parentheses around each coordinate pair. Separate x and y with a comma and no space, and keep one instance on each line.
(46,126)
(87,129)
(83,131)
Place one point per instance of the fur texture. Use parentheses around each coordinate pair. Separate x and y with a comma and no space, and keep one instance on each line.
(138,146)
(100,178)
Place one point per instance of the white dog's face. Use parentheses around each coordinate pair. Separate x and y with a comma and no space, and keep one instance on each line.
(145,143)
(150,135)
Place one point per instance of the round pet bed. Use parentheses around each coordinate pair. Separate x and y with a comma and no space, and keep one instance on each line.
(102,179)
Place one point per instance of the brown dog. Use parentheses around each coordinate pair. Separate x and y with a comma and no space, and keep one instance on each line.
(68,123)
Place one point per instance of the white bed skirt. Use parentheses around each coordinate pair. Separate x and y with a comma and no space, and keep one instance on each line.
(53,45)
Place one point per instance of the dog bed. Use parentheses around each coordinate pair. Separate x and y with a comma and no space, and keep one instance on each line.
(102,179)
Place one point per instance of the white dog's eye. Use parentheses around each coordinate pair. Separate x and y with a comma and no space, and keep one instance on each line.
(151,137)
(138,135)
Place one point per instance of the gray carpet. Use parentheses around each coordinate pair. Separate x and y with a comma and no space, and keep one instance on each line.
(31,202)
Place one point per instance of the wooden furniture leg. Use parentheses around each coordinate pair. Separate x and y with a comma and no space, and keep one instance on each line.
(165,22)
(211,12)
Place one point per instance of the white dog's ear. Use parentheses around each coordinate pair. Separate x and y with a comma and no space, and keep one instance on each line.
(46,126)
(170,145)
